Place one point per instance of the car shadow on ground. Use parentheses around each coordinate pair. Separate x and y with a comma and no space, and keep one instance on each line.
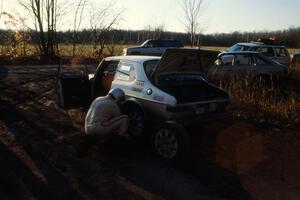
(3,71)
(37,177)
(195,177)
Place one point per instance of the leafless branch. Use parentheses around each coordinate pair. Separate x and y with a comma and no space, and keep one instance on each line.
(101,23)
(192,14)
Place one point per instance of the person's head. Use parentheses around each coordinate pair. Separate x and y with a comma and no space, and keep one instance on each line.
(117,94)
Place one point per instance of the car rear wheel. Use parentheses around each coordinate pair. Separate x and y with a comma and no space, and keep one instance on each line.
(137,122)
(170,141)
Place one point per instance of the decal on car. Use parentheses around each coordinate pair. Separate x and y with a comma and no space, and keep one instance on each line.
(125,68)
(123,77)
(158,98)
(140,83)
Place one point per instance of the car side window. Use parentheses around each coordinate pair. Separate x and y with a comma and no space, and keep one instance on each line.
(227,60)
(242,60)
(149,44)
(111,66)
(156,44)
(260,61)
(149,66)
(125,72)
(281,52)
(266,51)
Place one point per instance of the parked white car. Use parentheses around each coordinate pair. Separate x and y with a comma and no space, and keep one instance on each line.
(169,93)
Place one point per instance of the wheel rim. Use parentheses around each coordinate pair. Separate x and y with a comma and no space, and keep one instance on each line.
(166,143)
(136,123)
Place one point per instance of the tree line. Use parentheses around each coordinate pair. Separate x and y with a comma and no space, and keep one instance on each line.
(289,37)
(44,17)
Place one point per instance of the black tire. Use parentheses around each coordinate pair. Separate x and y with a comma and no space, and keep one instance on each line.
(137,121)
(171,142)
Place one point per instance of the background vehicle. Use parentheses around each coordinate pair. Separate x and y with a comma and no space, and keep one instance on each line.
(296,59)
(153,47)
(168,91)
(247,64)
(276,52)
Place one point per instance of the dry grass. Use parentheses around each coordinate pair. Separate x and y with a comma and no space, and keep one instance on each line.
(279,106)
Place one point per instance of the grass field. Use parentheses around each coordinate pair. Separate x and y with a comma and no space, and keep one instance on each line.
(85,50)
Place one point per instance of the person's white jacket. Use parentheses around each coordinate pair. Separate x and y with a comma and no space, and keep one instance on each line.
(104,118)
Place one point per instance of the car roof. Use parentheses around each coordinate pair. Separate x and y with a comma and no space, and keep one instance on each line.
(139,59)
(162,40)
(259,44)
(239,53)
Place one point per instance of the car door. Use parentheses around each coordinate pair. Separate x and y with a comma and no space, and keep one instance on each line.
(72,85)
(104,76)
(243,65)
(263,65)
(282,55)
(223,68)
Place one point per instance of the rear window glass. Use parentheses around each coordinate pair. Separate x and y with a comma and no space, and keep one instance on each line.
(281,52)
(149,67)
(125,72)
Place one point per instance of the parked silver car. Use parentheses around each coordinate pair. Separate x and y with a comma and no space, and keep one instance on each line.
(163,95)
(252,65)
(275,52)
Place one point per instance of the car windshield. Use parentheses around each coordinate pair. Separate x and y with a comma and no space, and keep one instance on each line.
(238,47)
(144,43)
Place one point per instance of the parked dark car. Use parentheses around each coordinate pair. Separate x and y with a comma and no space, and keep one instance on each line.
(248,64)
(153,47)
(275,52)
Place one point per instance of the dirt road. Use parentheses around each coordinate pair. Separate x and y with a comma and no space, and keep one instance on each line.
(230,159)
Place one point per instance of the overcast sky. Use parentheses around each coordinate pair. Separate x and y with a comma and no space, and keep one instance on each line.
(218,16)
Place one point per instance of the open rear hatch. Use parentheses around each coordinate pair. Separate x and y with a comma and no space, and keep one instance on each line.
(180,73)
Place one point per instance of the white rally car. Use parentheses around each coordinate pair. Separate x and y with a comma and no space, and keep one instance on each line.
(163,94)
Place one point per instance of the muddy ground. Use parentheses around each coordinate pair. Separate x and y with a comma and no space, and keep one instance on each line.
(230,159)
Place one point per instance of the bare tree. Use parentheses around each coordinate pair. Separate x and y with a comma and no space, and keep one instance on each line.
(45,15)
(77,22)
(1,8)
(101,22)
(192,14)
(150,32)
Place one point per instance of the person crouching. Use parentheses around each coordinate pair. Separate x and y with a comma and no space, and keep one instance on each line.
(104,117)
